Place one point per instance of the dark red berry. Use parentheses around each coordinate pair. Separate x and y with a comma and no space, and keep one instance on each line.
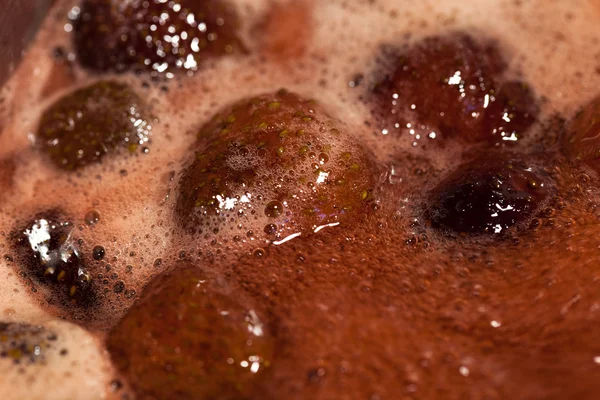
(487,196)
(154,34)
(203,344)
(50,257)
(86,125)
(449,87)
(276,160)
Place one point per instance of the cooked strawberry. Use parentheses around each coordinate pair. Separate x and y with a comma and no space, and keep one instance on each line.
(86,125)
(49,257)
(450,87)
(203,344)
(276,164)
(7,170)
(155,34)
(488,195)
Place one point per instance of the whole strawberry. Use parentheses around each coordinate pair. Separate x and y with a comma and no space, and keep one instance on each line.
(154,34)
(275,165)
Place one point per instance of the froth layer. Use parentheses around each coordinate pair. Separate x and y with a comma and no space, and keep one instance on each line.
(553,46)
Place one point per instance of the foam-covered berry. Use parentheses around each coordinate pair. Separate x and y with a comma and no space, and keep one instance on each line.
(276,164)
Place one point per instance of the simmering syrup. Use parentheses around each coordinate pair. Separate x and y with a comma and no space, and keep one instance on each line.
(344,266)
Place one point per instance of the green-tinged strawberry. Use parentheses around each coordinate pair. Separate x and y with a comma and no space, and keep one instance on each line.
(90,123)
(275,165)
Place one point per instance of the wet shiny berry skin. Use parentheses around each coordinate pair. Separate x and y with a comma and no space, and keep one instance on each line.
(157,35)
(510,114)
(203,344)
(90,123)
(276,160)
(50,257)
(487,196)
(451,87)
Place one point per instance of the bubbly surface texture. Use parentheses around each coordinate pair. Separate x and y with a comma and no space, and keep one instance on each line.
(278,166)
(250,199)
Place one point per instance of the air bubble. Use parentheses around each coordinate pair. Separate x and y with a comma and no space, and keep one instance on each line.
(258,253)
(98,253)
(274,209)
(270,229)
(119,287)
(92,217)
